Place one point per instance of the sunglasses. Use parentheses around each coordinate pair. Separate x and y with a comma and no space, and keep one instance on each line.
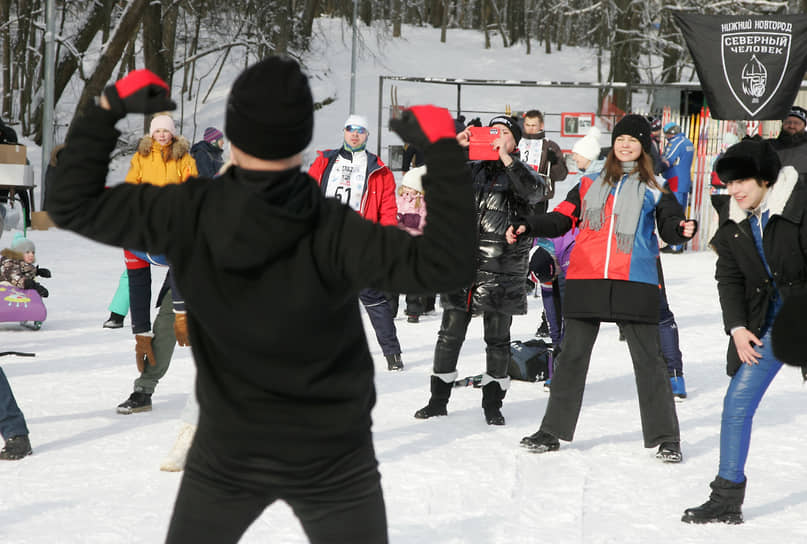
(356,128)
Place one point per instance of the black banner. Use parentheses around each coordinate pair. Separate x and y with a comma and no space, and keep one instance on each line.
(749,67)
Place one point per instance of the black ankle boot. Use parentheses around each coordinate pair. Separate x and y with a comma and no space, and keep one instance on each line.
(438,402)
(540,442)
(394,362)
(492,396)
(724,504)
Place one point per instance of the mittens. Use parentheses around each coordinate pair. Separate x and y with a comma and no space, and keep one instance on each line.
(41,290)
(423,125)
(141,91)
(144,351)
(44,272)
(181,328)
(31,284)
(551,156)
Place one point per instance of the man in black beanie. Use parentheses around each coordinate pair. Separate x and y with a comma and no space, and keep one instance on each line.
(284,403)
(791,144)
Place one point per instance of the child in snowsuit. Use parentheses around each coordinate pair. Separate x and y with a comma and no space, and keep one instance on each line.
(412,219)
(17,266)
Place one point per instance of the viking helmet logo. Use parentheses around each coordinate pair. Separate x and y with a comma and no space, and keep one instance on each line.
(754,78)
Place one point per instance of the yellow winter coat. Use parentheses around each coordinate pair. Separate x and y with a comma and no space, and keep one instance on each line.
(158,165)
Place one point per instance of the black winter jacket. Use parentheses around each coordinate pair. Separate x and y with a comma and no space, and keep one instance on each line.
(501,194)
(271,270)
(208,158)
(792,150)
(744,286)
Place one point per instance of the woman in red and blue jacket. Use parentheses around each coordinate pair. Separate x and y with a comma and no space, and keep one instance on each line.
(613,277)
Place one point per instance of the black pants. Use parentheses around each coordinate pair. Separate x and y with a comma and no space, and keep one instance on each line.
(656,405)
(337,500)
(452,335)
(381,318)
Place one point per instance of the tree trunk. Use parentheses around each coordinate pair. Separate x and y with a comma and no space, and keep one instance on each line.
(283,12)
(126,28)
(528,15)
(153,40)
(484,21)
(5,61)
(310,13)
(444,23)
(499,22)
(397,15)
(625,50)
(670,55)
(170,15)
(66,67)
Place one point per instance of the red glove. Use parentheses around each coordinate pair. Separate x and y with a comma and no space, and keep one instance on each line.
(423,125)
(141,91)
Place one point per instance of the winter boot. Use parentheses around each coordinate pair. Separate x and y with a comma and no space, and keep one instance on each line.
(540,442)
(115,321)
(394,362)
(679,388)
(441,385)
(670,452)
(16,448)
(175,462)
(543,328)
(137,402)
(493,392)
(724,504)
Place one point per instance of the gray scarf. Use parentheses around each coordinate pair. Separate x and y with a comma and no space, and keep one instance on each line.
(629,198)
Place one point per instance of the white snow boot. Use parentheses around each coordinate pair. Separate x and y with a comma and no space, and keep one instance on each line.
(175,462)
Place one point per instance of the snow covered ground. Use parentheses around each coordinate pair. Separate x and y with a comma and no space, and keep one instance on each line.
(94,475)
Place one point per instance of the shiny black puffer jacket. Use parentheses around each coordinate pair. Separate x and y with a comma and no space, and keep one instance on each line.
(501,194)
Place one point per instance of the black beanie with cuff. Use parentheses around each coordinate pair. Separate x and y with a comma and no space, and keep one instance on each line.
(636,126)
(270,110)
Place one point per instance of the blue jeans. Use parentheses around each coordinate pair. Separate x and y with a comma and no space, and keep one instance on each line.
(745,391)
(12,422)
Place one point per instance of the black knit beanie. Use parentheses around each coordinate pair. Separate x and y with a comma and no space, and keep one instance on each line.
(510,122)
(749,159)
(270,111)
(636,126)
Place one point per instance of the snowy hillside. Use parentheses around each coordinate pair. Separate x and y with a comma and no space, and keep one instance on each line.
(94,477)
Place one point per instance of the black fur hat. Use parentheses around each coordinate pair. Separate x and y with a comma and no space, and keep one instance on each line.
(749,159)
(636,126)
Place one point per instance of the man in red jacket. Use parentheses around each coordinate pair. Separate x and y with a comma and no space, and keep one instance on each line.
(359,179)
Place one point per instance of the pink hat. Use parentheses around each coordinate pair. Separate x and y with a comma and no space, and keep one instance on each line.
(162,121)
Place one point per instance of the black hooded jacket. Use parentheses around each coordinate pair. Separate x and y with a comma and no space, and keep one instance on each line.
(270,271)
